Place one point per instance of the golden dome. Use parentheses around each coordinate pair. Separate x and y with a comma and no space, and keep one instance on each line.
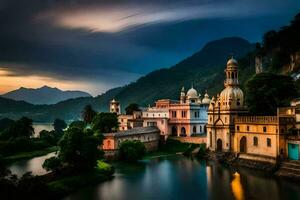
(231,62)
(232,96)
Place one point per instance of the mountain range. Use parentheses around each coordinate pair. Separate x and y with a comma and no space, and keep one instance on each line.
(43,95)
(204,69)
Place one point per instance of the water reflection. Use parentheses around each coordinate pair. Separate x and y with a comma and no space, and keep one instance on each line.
(33,165)
(182,178)
(38,127)
(175,178)
(236,187)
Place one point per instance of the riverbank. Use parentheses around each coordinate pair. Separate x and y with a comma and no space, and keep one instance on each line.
(171,147)
(28,155)
(63,183)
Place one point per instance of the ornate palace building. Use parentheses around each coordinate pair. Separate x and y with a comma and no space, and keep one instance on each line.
(182,118)
(224,109)
(259,138)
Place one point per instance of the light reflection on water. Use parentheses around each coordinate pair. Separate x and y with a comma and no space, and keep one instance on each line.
(237,188)
(183,178)
(33,165)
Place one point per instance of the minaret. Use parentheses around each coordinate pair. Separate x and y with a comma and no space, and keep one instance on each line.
(231,73)
(114,107)
(182,95)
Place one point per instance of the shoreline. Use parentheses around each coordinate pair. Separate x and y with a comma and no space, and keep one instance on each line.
(29,155)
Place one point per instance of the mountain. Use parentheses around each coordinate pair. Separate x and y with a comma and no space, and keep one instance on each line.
(204,69)
(43,95)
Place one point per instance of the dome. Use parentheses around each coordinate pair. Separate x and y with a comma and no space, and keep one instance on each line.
(206,99)
(192,93)
(232,61)
(232,96)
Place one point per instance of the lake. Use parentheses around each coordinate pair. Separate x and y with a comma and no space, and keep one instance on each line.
(33,165)
(38,127)
(178,177)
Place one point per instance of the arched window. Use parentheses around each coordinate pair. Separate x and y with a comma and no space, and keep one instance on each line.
(194,129)
(255,141)
(268,142)
(183,132)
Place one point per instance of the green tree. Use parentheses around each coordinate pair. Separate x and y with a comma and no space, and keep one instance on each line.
(59,125)
(131,108)
(78,124)
(105,122)
(49,136)
(88,114)
(52,164)
(78,149)
(5,123)
(131,150)
(265,92)
(20,128)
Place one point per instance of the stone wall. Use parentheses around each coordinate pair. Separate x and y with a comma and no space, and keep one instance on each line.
(193,140)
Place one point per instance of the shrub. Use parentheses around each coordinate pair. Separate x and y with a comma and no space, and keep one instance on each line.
(132,150)
(105,168)
(52,164)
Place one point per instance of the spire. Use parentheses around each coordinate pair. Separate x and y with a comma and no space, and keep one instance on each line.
(231,73)
(182,89)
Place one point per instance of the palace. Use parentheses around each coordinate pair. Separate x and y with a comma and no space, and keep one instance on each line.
(184,118)
(258,138)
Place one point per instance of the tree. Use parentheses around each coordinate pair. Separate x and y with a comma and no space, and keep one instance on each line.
(78,149)
(52,164)
(131,150)
(20,128)
(50,137)
(265,92)
(78,124)
(59,125)
(88,114)
(105,122)
(131,108)
(5,123)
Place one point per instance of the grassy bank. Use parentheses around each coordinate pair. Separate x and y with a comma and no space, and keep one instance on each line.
(62,186)
(29,155)
(172,147)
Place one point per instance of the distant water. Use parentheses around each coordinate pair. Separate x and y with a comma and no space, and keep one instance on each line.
(38,127)
(33,165)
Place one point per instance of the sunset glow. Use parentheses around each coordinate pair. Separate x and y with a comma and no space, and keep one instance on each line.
(11,82)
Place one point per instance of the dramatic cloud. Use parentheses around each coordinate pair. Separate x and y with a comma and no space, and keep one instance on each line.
(96,45)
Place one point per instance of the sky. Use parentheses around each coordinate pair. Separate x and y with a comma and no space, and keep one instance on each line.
(95,45)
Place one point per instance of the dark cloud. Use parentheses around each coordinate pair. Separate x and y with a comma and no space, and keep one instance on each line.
(117,41)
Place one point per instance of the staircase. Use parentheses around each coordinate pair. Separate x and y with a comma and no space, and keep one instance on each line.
(290,169)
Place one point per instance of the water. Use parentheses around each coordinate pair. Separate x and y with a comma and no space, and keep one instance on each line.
(177,177)
(183,178)
(33,165)
(38,127)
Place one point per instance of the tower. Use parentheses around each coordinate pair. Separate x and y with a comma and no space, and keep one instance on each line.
(223,110)
(258,65)
(182,95)
(114,107)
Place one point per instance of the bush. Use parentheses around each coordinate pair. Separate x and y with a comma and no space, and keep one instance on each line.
(105,168)
(132,150)
(202,151)
(52,164)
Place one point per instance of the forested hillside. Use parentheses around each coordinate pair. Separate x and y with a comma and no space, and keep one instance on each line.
(279,52)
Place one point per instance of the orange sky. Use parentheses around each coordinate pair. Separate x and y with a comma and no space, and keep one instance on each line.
(10,82)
